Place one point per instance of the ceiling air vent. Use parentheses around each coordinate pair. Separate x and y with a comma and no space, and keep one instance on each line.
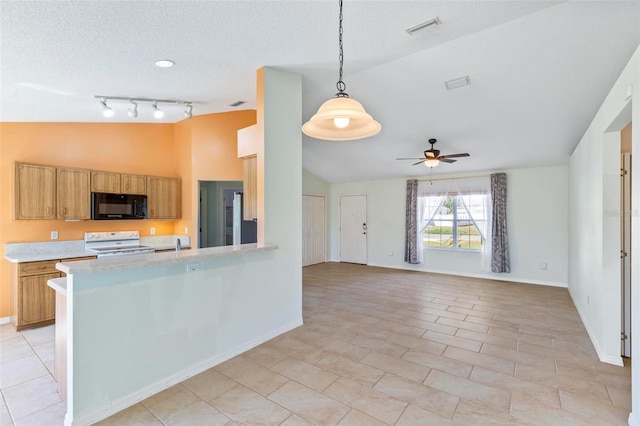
(457,82)
(423,25)
(237,103)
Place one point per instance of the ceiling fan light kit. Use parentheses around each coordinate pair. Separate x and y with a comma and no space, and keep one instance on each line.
(432,157)
(341,118)
(431,163)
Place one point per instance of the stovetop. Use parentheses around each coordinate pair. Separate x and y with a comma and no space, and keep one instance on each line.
(115,243)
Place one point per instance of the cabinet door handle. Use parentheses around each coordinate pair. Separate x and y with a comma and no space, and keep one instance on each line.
(64,211)
(126,187)
(114,185)
(47,211)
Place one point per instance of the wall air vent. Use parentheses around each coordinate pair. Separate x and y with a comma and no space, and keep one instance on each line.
(237,103)
(423,25)
(457,82)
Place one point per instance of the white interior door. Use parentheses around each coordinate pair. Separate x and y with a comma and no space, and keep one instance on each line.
(353,229)
(313,230)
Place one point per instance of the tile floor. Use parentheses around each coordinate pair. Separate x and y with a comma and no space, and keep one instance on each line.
(378,347)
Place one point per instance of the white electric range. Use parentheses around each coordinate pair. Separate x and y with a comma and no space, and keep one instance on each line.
(116,243)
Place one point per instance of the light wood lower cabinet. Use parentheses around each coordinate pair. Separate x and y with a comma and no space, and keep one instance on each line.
(32,301)
(250,187)
(164,199)
(35,191)
(73,194)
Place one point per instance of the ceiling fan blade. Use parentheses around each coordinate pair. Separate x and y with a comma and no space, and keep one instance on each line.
(412,158)
(419,162)
(447,160)
(455,155)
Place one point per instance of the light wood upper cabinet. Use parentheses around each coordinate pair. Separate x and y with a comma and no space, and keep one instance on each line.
(134,184)
(35,191)
(250,197)
(105,182)
(73,194)
(116,183)
(164,200)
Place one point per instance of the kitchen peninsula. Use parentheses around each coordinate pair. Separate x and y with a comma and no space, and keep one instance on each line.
(136,325)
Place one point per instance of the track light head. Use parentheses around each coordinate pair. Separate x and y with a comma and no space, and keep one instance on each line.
(106,109)
(188,111)
(133,109)
(157,112)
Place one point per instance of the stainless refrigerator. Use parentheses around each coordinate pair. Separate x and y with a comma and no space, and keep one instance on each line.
(244,231)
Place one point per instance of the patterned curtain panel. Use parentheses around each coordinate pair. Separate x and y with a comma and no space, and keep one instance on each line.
(500,243)
(411,254)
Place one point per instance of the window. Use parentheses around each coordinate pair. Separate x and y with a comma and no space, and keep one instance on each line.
(455,221)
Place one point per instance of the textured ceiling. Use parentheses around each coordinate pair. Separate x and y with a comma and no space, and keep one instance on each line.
(539,70)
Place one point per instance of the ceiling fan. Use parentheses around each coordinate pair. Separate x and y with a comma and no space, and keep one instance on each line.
(432,156)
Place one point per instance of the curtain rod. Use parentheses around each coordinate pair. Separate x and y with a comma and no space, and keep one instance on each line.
(455,178)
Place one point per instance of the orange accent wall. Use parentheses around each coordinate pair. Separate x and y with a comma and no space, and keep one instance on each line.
(201,148)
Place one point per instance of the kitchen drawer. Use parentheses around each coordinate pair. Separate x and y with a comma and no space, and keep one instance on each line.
(74,259)
(37,268)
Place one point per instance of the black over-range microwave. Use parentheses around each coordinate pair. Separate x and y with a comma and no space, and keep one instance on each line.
(118,206)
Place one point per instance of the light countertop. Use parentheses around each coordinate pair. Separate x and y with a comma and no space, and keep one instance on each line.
(118,263)
(63,250)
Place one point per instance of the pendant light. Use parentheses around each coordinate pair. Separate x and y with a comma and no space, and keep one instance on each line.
(341,118)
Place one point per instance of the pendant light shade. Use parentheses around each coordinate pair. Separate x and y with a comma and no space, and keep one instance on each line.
(341,119)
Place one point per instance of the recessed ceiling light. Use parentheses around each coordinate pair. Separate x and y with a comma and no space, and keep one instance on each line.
(425,24)
(457,82)
(165,63)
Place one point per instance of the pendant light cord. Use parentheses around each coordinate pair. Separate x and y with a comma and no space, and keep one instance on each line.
(340,85)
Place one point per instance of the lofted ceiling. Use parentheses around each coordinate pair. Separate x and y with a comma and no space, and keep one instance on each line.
(539,70)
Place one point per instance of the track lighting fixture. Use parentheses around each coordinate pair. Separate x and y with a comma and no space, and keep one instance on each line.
(157,112)
(106,109)
(132,111)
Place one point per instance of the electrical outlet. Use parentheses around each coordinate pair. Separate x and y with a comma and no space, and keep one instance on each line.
(543,265)
(186,231)
(54,235)
(153,231)
(193,267)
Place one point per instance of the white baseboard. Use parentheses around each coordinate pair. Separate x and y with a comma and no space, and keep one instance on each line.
(167,382)
(602,356)
(633,421)
(481,276)
(5,320)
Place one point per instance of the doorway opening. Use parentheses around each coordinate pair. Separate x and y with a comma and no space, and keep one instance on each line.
(215,213)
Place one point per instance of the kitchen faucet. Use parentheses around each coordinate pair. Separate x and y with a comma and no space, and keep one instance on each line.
(178,245)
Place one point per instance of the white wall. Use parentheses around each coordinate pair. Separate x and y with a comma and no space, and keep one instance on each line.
(536,219)
(313,185)
(594,191)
